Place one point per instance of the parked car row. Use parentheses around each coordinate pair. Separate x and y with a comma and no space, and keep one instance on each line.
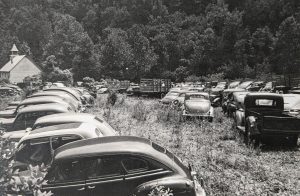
(84,155)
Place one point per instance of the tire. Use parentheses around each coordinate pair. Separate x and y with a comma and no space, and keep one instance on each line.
(176,102)
(210,119)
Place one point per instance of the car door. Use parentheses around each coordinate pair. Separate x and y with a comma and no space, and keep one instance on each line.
(140,170)
(105,176)
(67,178)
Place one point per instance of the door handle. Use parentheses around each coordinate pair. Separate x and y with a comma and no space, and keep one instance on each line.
(81,189)
(91,187)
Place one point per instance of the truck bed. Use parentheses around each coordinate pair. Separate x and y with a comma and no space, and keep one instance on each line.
(283,124)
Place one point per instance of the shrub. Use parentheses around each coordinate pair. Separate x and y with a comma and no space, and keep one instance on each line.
(139,111)
(112,98)
(160,191)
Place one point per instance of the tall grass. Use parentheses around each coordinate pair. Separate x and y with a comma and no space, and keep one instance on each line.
(215,150)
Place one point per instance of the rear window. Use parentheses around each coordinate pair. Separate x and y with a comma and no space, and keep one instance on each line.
(266,102)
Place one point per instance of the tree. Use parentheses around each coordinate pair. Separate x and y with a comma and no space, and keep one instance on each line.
(144,57)
(116,53)
(286,58)
(71,46)
(181,73)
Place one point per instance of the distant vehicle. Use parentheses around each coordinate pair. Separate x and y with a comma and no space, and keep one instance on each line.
(36,101)
(124,85)
(7,91)
(245,85)
(256,86)
(179,100)
(27,116)
(226,95)
(70,91)
(265,118)
(61,94)
(170,97)
(235,101)
(57,84)
(37,147)
(234,84)
(155,87)
(133,89)
(216,97)
(197,89)
(118,166)
(198,105)
(64,118)
(89,99)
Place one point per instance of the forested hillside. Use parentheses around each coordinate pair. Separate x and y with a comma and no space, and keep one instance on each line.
(155,38)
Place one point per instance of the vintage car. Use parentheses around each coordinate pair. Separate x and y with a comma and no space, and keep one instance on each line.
(118,166)
(7,91)
(64,118)
(37,147)
(216,94)
(245,85)
(68,90)
(233,84)
(133,90)
(27,116)
(235,101)
(179,100)
(198,105)
(170,97)
(60,94)
(226,95)
(256,86)
(36,101)
(12,105)
(89,100)
(265,118)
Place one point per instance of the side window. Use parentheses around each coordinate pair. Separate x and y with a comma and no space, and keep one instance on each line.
(105,166)
(19,123)
(67,171)
(62,140)
(133,165)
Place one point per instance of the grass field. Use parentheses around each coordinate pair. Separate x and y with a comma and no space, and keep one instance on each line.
(215,150)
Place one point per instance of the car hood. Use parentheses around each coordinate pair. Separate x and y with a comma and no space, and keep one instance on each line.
(15,135)
(197,106)
(6,113)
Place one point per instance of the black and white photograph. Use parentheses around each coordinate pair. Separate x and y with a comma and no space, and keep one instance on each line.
(149,97)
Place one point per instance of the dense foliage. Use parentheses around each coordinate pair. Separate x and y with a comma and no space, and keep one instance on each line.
(130,39)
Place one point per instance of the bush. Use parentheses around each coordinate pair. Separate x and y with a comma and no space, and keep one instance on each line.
(139,111)
(112,98)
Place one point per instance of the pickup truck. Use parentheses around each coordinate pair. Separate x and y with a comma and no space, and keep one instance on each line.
(265,118)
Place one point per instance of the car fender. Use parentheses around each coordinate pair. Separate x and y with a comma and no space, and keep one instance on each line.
(176,185)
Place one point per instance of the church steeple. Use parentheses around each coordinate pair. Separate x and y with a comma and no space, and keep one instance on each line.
(13,52)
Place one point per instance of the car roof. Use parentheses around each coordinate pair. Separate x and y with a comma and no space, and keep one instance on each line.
(44,107)
(65,117)
(118,145)
(65,89)
(84,130)
(50,99)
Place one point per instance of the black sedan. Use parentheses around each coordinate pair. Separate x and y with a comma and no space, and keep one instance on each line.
(118,166)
